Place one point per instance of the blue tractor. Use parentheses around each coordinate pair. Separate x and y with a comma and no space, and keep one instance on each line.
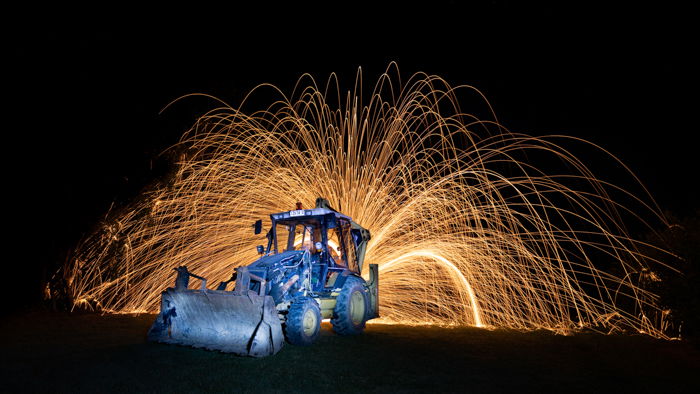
(309,271)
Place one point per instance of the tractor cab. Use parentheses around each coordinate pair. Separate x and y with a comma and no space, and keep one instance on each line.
(326,235)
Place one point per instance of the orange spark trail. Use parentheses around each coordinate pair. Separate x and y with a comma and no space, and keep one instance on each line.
(466,229)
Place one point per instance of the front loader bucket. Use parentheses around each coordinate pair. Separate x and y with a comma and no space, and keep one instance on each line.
(246,325)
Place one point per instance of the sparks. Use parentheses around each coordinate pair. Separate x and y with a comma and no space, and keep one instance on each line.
(465,229)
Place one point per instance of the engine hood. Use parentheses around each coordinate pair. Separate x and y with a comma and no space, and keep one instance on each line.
(285,258)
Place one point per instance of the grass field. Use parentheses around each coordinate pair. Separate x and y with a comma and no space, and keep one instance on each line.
(58,352)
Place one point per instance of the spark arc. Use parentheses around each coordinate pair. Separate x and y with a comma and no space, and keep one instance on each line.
(467,228)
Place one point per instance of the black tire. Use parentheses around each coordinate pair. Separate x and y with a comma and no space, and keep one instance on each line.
(303,324)
(347,318)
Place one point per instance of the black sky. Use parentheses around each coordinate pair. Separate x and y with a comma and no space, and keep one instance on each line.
(86,92)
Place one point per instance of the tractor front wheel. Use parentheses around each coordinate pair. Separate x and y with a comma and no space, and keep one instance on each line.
(350,313)
(303,324)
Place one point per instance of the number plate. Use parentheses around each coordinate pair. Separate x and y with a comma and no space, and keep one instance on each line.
(299,212)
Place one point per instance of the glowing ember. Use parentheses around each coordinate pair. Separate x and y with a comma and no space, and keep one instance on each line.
(465,229)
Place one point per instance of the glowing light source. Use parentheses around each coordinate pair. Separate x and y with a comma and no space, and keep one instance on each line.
(466,229)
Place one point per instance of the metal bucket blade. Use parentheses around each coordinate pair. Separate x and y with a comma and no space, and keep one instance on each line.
(217,320)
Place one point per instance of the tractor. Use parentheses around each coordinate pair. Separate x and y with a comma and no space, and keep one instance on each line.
(310,270)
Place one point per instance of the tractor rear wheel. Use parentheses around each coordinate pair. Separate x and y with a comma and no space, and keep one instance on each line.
(303,324)
(350,313)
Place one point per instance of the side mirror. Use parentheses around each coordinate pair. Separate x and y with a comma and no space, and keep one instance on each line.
(258,226)
(261,249)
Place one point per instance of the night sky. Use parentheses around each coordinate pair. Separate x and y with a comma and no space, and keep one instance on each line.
(83,128)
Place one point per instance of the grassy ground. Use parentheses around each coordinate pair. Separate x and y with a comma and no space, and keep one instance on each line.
(54,352)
